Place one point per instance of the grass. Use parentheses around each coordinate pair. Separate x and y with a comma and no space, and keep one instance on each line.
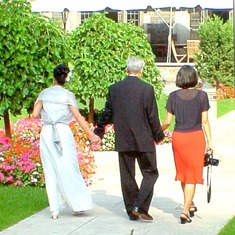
(18,203)
(224,106)
(229,228)
(162,110)
(13,118)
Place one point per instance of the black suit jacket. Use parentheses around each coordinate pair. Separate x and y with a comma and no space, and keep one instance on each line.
(132,106)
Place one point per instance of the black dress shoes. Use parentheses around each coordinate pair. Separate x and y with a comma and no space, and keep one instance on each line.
(143,215)
(133,217)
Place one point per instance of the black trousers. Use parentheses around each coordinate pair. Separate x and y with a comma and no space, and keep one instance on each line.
(133,195)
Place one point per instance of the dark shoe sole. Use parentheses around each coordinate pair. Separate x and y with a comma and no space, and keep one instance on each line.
(142,215)
(134,218)
(184,219)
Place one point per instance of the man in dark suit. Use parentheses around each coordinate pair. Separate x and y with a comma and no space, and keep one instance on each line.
(132,106)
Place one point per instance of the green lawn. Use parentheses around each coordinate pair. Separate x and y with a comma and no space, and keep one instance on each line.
(224,106)
(18,203)
(229,228)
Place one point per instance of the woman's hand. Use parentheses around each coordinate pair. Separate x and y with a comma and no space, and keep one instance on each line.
(167,121)
(209,149)
(95,141)
(94,138)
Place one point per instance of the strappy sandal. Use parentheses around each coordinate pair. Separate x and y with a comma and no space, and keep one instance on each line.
(184,218)
(192,210)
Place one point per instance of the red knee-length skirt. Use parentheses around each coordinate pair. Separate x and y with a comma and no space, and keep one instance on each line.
(189,149)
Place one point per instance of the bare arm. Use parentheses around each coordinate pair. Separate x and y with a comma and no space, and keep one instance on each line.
(167,121)
(82,122)
(207,129)
(37,110)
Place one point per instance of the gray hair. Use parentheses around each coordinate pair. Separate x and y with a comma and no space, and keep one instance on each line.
(134,64)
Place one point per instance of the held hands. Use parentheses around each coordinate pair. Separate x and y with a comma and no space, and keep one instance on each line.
(95,141)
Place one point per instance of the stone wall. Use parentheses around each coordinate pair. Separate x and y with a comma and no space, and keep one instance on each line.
(168,71)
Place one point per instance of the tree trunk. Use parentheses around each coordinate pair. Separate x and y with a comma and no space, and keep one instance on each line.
(7,124)
(91,111)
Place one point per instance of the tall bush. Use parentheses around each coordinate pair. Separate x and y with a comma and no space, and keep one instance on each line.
(100,48)
(215,63)
(30,46)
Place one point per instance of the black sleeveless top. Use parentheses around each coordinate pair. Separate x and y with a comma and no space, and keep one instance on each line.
(187,105)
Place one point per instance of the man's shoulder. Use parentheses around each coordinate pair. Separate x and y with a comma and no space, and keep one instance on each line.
(118,83)
(115,85)
(144,83)
(140,82)
(136,82)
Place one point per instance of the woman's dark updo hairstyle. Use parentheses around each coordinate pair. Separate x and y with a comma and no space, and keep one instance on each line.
(60,73)
(186,77)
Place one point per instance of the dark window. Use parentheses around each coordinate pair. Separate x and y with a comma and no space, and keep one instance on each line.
(195,20)
(85,15)
(133,17)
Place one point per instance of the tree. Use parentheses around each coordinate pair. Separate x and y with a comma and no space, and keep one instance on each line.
(215,62)
(99,49)
(31,45)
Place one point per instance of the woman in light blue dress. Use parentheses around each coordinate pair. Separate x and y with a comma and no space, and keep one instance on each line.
(64,183)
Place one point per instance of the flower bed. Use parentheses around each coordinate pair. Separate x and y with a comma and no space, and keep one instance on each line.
(223,91)
(20,163)
(108,139)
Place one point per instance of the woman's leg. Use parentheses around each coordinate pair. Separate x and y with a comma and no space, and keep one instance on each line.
(189,191)
(183,186)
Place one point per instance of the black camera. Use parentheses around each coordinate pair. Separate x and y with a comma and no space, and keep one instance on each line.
(209,160)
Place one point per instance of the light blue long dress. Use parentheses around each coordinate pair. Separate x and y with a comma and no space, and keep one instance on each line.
(64,182)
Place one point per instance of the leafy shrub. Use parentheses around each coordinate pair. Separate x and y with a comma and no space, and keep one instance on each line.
(215,61)
(99,50)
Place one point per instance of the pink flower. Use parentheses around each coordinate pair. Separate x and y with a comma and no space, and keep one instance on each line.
(95,146)
(1,177)
(9,179)
(79,156)
(18,183)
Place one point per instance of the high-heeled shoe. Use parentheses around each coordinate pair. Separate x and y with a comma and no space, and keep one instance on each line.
(192,210)
(184,218)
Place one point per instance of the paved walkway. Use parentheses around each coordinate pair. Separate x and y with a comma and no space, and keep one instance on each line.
(109,218)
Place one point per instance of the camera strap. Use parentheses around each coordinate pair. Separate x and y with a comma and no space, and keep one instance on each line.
(209,161)
(209,173)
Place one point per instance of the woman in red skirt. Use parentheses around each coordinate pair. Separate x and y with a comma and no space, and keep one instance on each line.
(191,136)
